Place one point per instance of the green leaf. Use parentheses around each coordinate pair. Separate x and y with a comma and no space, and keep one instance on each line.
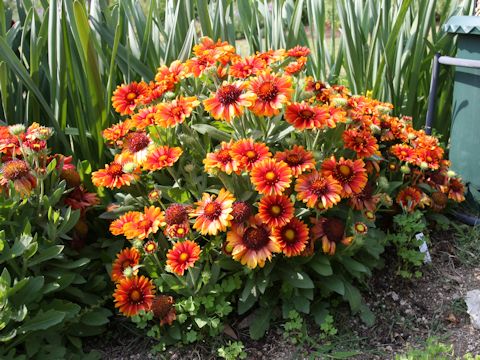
(96,317)
(298,279)
(321,265)
(50,253)
(334,283)
(319,311)
(260,323)
(211,131)
(42,321)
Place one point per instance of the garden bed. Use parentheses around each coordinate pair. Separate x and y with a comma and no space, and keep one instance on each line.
(407,313)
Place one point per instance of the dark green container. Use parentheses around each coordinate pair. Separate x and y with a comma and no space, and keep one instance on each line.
(465,132)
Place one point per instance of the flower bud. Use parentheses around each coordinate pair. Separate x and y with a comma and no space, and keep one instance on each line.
(405,169)
(451,173)
(189,168)
(170,95)
(16,129)
(339,102)
(137,243)
(383,109)
(383,182)
(129,167)
(128,272)
(411,136)
(423,165)
(375,129)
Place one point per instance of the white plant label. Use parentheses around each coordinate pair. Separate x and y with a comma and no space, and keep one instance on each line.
(424,248)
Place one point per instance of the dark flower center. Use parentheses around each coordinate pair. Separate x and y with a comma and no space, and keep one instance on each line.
(212,210)
(115,170)
(293,159)
(255,238)
(305,113)
(229,94)
(15,169)
(334,229)
(224,156)
(267,91)
(137,141)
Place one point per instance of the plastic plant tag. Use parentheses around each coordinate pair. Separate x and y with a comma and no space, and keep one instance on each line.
(424,248)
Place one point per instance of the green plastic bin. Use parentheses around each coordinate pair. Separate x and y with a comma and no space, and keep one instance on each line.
(465,131)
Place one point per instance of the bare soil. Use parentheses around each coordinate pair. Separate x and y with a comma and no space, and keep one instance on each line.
(407,313)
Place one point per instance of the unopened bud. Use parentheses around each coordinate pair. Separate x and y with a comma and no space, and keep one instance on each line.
(189,168)
(423,165)
(137,243)
(383,182)
(383,109)
(375,129)
(169,95)
(405,169)
(451,173)
(128,272)
(339,102)
(411,136)
(16,129)
(129,167)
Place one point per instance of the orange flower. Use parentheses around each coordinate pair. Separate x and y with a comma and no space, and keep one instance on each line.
(144,118)
(197,65)
(296,66)
(137,144)
(178,231)
(163,308)
(403,152)
(298,159)
(169,76)
(351,175)
(271,177)
(116,132)
(245,67)
(292,237)
(9,144)
(222,159)
(170,114)
(126,97)
(316,189)
(213,213)
(117,227)
(409,198)
(129,257)
(456,190)
(365,199)
(298,51)
(271,56)
(272,92)
(162,157)
(303,116)
(362,142)
(275,210)
(117,173)
(229,101)
(221,51)
(331,231)
(182,256)
(80,199)
(253,243)
(18,172)
(431,157)
(133,295)
(247,153)
(148,223)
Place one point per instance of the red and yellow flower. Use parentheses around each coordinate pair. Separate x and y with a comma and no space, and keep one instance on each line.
(303,116)
(162,157)
(409,198)
(137,143)
(182,256)
(117,132)
(242,68)
(271,177)
(144,117)
(134,294)
(296,66)
(177,231)
(247,153)
(456,190)
(213,213)
(222,159)
(316,189)
(117,227)
(253,243)
(126,97)
(298,159)
(292,237)
(122,171)
(362,142)
(148,223)
(404,152)
(351,174)
(175,112)
(298,51)
(272,92)
(18,172)
(129,257)
(275,210)
(229,101)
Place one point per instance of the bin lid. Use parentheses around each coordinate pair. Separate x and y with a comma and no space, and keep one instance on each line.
(463,25)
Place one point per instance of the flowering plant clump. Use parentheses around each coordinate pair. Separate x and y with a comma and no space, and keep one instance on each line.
(50,282)
(246,183)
